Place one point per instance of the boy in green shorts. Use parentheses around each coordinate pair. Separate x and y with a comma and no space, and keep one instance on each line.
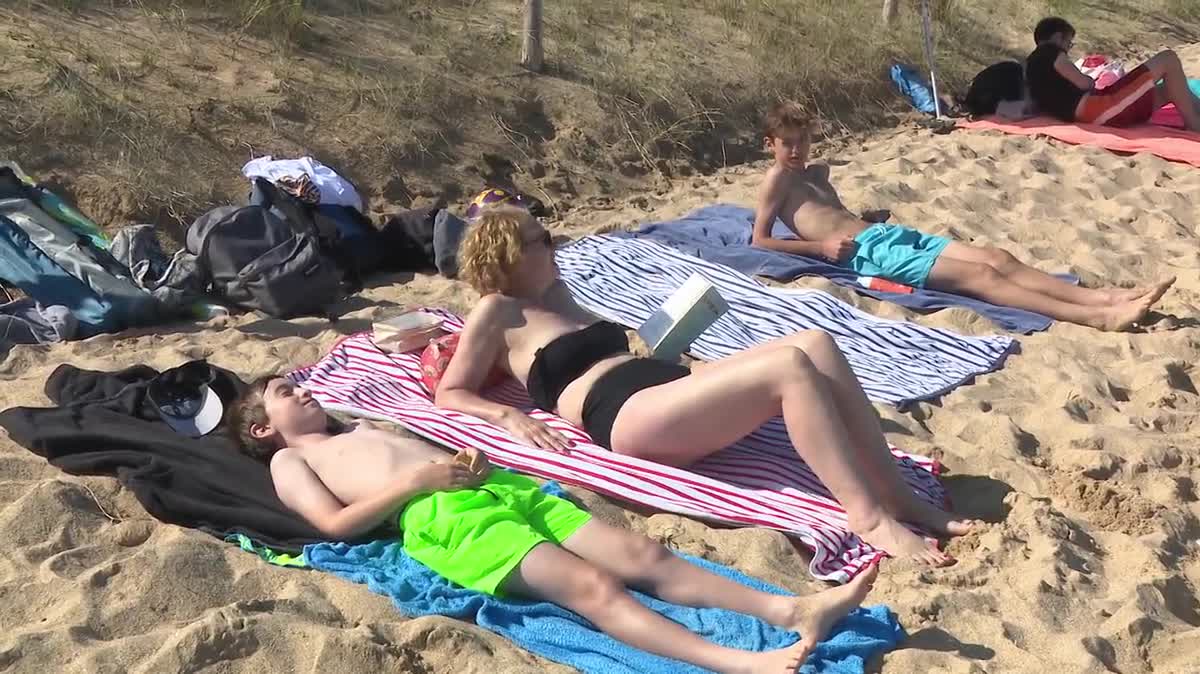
(498,533)
(802,196)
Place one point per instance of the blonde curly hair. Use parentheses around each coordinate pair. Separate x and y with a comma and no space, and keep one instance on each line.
(492,249)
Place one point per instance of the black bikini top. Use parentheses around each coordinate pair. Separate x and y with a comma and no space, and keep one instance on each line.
(568,356)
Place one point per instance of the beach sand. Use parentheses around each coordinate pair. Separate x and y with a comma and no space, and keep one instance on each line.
(1081,453)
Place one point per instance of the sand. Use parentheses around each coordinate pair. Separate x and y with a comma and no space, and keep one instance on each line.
(1081,453)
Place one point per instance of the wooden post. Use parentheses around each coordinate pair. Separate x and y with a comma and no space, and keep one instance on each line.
(531,45)
(890,10)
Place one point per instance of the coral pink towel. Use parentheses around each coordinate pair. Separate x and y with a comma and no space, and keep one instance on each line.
(1172,144)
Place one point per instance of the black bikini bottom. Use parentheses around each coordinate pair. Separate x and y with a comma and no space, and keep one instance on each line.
(613,388)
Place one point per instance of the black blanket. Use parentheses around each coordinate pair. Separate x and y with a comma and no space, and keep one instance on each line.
(105,424)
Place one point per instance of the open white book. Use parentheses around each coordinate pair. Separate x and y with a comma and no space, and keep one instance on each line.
(682,318)
(408,331)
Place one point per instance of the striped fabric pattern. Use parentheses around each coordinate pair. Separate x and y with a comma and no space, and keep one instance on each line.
(625,280)
(760,481)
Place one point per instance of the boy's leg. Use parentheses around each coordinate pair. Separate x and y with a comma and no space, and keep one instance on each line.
(986,283)
(1174,88)
(1034,279)
(646,565)
(552,574)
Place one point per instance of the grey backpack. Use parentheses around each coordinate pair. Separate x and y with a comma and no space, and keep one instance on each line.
(258,260)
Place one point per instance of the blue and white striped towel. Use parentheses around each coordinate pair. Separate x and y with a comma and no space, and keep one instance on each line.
(626,280)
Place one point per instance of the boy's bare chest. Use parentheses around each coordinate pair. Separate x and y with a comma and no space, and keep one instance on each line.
(357,464)
(807,190)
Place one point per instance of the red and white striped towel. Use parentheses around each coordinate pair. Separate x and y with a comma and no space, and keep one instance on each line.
(760,481)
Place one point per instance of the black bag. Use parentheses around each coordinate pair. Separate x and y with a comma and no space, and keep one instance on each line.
(329,224)
(258,260)
(1003,81)
(408,238)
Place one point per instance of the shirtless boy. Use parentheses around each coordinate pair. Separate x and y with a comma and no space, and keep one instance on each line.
(802,196)
(496,532)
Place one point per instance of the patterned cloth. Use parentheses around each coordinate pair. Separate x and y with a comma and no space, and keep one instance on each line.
(625,280)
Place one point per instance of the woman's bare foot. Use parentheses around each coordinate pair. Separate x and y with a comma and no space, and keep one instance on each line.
(782,661)
(939,521)
(894,538)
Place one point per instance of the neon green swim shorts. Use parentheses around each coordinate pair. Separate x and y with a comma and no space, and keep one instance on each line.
(477,537)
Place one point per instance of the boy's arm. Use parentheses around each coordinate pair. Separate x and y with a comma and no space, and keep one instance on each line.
(302,490)
(1067,69)
(770,200)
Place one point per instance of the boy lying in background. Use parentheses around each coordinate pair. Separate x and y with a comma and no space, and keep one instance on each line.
(802,196)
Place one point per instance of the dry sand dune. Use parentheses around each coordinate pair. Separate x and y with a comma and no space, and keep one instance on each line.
(1082,452)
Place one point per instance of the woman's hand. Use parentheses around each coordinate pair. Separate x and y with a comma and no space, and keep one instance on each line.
(533,431)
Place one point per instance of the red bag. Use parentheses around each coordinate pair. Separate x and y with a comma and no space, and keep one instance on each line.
(436,358)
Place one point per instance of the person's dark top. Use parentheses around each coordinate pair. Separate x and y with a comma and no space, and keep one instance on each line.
(1051,92)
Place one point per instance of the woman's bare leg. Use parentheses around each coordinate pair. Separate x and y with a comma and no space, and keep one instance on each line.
(867,436)
(553,574)
(685,420)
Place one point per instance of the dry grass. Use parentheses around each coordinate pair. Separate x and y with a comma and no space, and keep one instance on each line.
(161,100)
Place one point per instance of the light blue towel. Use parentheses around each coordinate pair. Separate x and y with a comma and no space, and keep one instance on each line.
(559,635)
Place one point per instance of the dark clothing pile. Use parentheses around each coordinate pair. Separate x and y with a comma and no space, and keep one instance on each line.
(105,424)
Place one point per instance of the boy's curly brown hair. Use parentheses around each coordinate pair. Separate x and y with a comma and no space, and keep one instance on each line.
(787,116)
(492,249)
(250,409)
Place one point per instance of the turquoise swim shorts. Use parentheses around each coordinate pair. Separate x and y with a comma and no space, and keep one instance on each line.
(896,253)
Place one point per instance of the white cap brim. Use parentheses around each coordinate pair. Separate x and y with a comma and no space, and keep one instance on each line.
(208,418)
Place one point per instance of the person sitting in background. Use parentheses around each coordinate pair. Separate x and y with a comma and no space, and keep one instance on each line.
(1059,89)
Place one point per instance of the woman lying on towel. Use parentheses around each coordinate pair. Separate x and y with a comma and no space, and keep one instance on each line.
(528,324)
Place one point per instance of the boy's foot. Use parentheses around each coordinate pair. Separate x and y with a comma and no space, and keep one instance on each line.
(1123,295)
(1124,316)
(813,616)
(782,661)
(895,539)
(1156,291)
